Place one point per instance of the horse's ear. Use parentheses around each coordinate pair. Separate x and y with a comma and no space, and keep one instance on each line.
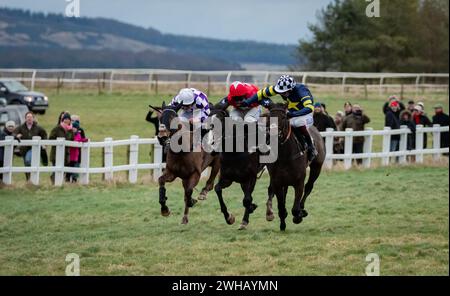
(164,104)
(270,105)
(157,109)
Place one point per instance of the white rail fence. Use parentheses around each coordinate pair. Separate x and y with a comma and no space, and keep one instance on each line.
(133,143)
(109,79)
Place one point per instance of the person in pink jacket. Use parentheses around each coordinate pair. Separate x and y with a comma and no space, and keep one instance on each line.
(74,152)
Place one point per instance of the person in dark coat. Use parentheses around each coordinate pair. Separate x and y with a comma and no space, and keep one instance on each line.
(419,117)
(322,121)
(406,119)
(62,130)
(393,121)
(357,121)
(387,105)
(27,131)
(443,120)
(348,108)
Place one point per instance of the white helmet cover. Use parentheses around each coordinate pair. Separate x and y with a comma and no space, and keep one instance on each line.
(185,97)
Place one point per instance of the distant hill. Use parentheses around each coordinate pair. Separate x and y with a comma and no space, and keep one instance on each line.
(39,40)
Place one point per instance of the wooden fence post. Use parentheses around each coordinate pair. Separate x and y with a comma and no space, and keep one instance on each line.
(419,143)
(348,148)
(60,161)
(367,148)
(108,159)
(386,147)
(436,142)
(403,144)
(157,159)
(85,161)
(35,161)
(133,159)
(329,141)
(8,160)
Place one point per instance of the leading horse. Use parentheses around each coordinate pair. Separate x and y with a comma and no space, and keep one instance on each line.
(290,167)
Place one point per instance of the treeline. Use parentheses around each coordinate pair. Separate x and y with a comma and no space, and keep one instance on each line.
(409,36)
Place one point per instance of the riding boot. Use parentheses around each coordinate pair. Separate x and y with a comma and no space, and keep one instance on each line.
(302,131)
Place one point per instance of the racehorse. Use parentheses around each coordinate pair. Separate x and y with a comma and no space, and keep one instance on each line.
(240,167)
(290,167)
(187,166)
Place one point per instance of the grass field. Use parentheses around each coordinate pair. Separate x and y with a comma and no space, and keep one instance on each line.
(399,213)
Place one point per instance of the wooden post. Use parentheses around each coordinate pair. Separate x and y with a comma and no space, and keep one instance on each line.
(85,160)
(133,159)
(366,92)
(436,142)
(8,160)
(156,84)
(329,141)
(35,161)
(208,91)
(367,148)
(108,159)
(348,150)
(386,147)
(60,161)
(419,144)
(403,144)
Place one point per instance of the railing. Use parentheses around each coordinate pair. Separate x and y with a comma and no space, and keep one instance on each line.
(368,155)
(152,79)
(133,143)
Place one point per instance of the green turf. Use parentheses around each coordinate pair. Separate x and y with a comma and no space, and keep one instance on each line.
(399,213)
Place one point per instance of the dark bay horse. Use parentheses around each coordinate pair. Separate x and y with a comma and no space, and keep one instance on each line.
(239,167)
(290,167)
(187,166)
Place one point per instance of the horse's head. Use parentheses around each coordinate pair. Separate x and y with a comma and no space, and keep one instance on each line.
(282,128)
(165,115)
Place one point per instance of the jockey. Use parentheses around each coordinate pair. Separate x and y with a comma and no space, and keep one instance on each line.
(300,107)
(194,104)
(238,93)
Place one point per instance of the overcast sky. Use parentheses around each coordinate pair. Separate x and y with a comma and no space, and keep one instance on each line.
(279,21)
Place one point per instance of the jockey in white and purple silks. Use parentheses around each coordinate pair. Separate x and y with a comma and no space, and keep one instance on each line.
(194,104)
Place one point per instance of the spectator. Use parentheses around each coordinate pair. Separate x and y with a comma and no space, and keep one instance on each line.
(76,118)
(406,119)
(27,131)
(62,130)
(338,118)
(324,111)
(442,119)
(356,120)
(393,121)
(411,106)
(74,152)
(321,120)
(419,117)
(348,108)
(386,106)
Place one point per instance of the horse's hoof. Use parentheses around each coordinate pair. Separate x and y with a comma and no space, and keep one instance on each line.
(297,219)
(243,226)
(283,226)
(270,217)
(185,220)
(202,196)
(165,212)
(304,213)
(231,219)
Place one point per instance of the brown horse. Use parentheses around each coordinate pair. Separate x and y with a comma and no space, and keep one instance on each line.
(290,168)
(187,166)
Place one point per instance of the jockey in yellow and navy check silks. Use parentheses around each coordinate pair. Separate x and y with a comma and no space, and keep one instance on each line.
(300,100)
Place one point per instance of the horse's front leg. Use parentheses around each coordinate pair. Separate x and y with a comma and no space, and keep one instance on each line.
(269,210)
(166,177)
(250,207)
(222,184)
(296,209)
(280,192)
(215,167)
(189,185)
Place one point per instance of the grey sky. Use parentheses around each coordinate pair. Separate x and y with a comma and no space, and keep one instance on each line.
(279,21)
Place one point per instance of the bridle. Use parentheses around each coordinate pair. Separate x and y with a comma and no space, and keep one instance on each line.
(283,128)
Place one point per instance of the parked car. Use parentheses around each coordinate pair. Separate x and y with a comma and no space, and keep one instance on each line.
(15,113)
(16,93)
